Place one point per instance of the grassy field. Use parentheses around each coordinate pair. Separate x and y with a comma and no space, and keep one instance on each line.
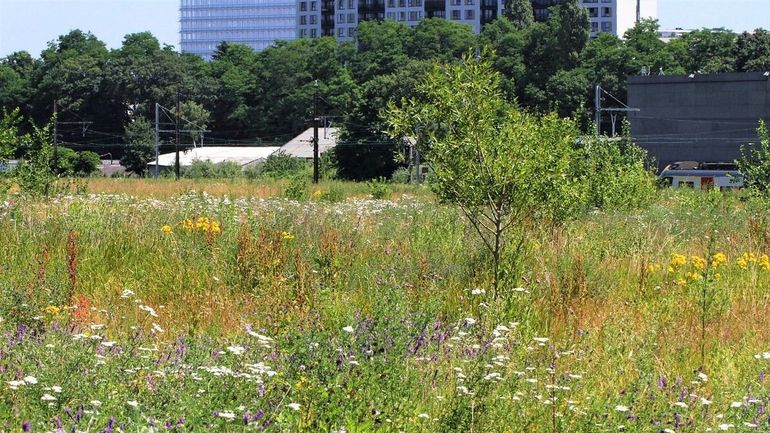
(202,306)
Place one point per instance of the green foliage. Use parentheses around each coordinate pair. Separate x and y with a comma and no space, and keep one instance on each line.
(297,188)
(752,51)
(205,169)
(401,175)
(754,163)
(500,165)
(379,189)
(35,174)
(280,165)
(67,162)
(140,146)
(519,13)
(616,174)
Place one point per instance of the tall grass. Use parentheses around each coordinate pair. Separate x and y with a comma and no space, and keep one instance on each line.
(223,307)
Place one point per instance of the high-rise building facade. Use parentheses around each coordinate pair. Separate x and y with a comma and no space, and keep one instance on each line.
(204,24)
(606,16)
(259,23)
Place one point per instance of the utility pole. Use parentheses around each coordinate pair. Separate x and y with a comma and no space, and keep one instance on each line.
(598,107)
(315,134)
(55,134)
(157,139)
(176,139)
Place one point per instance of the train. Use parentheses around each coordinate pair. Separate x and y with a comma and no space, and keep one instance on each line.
(702,175)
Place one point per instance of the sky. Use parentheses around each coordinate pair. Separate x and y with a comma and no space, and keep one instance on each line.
(30,24)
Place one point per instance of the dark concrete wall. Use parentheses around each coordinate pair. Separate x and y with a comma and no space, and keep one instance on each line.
(704,118)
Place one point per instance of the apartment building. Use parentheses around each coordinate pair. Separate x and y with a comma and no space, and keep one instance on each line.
(606,16)
(204,24)
(259,23)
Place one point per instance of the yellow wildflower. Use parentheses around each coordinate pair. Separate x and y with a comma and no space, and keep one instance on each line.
(694,276)
(764,262)
(698,262)
(188,225)
(167,229)
(718,260)
(678,260)
(317,194)
(681,282)
(52,309)
(287,236)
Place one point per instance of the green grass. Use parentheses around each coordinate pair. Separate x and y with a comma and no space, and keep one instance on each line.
(373,316)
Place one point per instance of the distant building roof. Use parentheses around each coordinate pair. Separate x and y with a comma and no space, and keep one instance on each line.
(301,146)
(216,154)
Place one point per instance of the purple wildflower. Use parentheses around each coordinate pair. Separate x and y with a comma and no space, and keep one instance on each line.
(25,427)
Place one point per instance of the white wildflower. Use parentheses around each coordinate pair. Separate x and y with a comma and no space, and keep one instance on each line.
(228,415)
(133,403)
(294,406)
(48,397)
(621,408)
(349,329)
(236,350)
(30,380)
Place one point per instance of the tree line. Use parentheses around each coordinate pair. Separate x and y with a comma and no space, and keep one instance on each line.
(106,98)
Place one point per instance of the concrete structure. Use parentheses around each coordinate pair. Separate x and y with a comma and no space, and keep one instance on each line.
(698,117)
(301,146)
(606,16)
(216,154)
(204,24)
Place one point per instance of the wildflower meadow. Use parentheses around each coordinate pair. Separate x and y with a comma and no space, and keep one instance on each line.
(133,306)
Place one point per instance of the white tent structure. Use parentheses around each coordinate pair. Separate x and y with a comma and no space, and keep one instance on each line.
(216,154)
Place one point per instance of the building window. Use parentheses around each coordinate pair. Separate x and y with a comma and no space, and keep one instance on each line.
(469,14)
(402,3)
(350,4)
(341,4)
(606,12)
(302,6)
(413,16)
(391,3)
(313,5)
(593,12)
(341,18)
(303,33)
(312,19)
(340,32)
(312,33)
(402,16)
(302,20)
(594,27)
(351,31)
(607,26)
(391,16)
(469,2)
(351,18)
(455,14)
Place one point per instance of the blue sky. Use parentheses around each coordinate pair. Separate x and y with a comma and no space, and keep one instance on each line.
(30,24)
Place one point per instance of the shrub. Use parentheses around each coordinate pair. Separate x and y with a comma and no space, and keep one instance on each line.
(280,165)
(297,188)
(379,189)
(401,175)
(205,169)
(754,163)
(616,174)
